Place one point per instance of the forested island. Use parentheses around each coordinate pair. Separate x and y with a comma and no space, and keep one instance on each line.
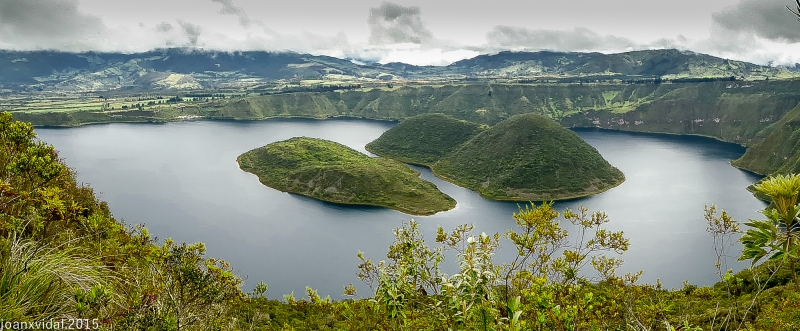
(525,158)
(332,172)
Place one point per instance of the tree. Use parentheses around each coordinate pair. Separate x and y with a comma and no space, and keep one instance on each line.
(778,236)
(797,11)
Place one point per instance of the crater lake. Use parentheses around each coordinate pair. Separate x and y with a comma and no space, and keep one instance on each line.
(182,181)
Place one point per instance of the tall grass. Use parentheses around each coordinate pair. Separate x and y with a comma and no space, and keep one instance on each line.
(39,282)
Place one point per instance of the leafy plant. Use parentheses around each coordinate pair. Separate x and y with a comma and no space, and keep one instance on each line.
(778,236)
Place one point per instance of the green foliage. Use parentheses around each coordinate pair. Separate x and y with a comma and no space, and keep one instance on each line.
(332,172)
(62,254)
(184,289)
(544,288)
(528,157)
(777,237)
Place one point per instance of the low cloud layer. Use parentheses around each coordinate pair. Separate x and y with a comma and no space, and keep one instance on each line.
(759,31)
(393,24)
(578,39)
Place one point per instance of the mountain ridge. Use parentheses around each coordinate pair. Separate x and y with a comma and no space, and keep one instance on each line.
(210,70)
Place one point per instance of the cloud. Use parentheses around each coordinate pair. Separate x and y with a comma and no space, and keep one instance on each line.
(578,39)
(229,9)
(768,19)
(191,31)
(394,24)
(164,27)
(757,31)
(48,24)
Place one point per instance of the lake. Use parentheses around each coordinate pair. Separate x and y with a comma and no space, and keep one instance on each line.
(182,181)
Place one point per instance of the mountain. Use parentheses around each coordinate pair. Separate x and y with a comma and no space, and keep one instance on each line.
(192,69)
(160,69)
(669,63)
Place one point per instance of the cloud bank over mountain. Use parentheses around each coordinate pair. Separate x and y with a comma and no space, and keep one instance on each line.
(410,31)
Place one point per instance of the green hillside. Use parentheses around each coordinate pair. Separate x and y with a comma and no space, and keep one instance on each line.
(424,139)
(332,172)
(731,111)
(529,158)
(486,103)
(779,151)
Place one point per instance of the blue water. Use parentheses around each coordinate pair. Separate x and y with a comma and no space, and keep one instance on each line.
(182,181)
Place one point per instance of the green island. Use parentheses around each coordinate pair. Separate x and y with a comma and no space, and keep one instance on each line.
(525,158)
(332,172)
(424,139)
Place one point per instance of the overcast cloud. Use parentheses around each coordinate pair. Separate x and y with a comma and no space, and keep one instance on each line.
(578,39)
(764,18)
(431,32)
(54,24)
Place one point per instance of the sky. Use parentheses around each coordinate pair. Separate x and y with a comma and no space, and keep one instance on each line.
(432,32)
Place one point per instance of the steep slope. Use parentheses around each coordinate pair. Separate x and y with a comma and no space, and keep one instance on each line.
(332,172)
(779,151)
(528,158)
(424,139)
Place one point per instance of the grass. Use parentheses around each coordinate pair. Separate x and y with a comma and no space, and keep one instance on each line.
(332,172)
(39,283)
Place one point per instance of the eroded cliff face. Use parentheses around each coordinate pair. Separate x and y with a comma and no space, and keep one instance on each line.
(737,112)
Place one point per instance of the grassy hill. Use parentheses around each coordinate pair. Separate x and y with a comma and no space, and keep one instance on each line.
(529,158)
(332,172)
(778,151)
(424,139)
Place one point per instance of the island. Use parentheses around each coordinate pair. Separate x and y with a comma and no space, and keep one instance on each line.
(527,157)
(332,172)
(424,139)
